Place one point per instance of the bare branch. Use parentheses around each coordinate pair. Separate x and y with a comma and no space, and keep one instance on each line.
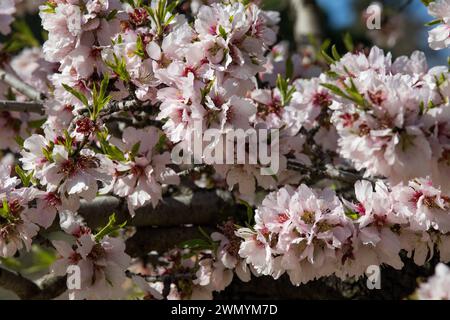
(20,86)
(329,172)
(149,239)
(200,208)
(51,287)
(21,286)
(34,107)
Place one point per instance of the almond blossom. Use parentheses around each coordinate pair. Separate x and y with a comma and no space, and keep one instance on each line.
(439,37)
(140,176)
(102,263)
(7,9)
(437,287)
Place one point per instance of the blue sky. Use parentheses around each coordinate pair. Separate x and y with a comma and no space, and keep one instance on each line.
(346,18)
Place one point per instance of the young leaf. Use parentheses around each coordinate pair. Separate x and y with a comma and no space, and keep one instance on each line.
(109,228)
(222,32)
(250,213)
(335,53)
(327,58)
(24,177)
(348,42)
(80,96)
(135,149)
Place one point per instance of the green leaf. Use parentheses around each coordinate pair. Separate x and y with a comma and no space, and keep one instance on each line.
(24,177)
(42,260)
(119,67)
(289,68)
(250,213)
(332,74)
(111,15)
(50,7)
(100,98)
(22,37)
(335,53)
(433,22)
(19,140)
(285,90)
(135,149)
(351,214)
(68,141)
(80,96)
(11,263)
(161,143)
(348,42)
(4,210)
(427,2)
(110,150)
(222,32)
(205,234)
(327,58)
(109,228)
(173,5)
(335,89)
(140,50)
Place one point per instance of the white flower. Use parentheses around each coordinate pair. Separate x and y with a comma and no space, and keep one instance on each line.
(437,287)
(439,37)
(140,178)
(102,265)
(7,10)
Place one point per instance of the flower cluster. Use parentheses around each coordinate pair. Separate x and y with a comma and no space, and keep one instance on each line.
(101,260)
(124,84)
(65,168)
(439,37)
(141,168)
(297,231)
(310,234)
(390,117)
(77,31)
(17,227)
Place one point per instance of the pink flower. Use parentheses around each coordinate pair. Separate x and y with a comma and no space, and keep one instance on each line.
(102,265)
(424,205)
(141,176)
(298,232)
(64,27)
(7,10)
(437,287)
(439,37)
(16,227)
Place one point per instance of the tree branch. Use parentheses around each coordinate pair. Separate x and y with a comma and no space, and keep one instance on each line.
(201,208)
(149,239)
(25,289)
(20,86)
(328,172)
(34,107)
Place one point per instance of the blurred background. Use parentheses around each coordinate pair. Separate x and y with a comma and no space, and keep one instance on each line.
(402,24)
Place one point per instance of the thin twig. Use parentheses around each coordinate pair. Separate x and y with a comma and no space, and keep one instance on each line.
(329,172)
(20,86)
(162,278)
